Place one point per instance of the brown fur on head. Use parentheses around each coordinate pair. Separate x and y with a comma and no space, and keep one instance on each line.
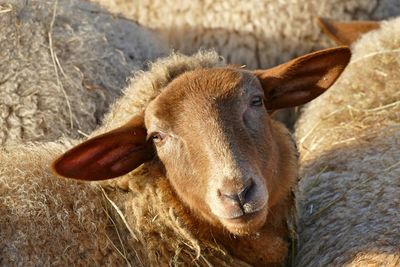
(223,155)
(212,130)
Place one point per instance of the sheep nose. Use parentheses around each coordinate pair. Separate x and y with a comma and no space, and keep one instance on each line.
(239,197)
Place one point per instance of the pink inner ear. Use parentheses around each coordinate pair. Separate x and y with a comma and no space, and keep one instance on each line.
(106,156)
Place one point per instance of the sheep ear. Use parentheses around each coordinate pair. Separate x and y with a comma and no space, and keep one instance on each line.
(108,155)
(345,33)
(302,79)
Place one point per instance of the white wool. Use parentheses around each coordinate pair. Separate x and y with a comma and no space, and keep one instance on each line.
(59,74)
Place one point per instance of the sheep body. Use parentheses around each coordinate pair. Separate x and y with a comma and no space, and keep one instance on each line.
(257,33)
(59,74)
(349,142)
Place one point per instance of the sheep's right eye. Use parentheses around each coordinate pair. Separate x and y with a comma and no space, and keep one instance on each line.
(158,137)
(257,101)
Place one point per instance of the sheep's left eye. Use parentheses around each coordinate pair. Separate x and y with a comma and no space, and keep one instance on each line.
(257,101)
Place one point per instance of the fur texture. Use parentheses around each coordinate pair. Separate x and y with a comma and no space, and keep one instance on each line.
(59,74)
(257,33)
(349,139)
(45,221)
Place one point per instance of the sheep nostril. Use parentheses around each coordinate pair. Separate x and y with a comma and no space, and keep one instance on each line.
(246,191)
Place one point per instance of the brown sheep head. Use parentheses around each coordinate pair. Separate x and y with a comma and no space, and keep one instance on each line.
(211,129)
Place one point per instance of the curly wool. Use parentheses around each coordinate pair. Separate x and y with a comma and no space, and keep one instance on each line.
(256,33)
(46,220)
(349,140)
(58,77)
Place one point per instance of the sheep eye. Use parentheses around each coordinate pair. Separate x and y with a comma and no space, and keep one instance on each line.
(257,101)
(158,137)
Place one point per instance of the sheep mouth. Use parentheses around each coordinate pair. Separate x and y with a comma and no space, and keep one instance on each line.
(247,223)
(242,212)
(245,217)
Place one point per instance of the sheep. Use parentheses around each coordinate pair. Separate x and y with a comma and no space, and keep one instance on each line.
(259,34)
(62,64)
(207,175)
(348,197)
(45,220)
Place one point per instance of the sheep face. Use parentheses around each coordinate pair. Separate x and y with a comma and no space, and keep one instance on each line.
(213,134)
(226,159)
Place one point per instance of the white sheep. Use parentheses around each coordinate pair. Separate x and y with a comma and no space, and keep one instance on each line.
(62,64)
(349,141)
(257,33)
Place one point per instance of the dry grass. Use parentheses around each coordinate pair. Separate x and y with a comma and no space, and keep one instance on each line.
(57,65)
(365,117)
(119,212)
(361,114)
(367,56)
(4,8)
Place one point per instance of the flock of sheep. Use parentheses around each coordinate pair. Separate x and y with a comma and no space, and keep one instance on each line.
(63,65)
